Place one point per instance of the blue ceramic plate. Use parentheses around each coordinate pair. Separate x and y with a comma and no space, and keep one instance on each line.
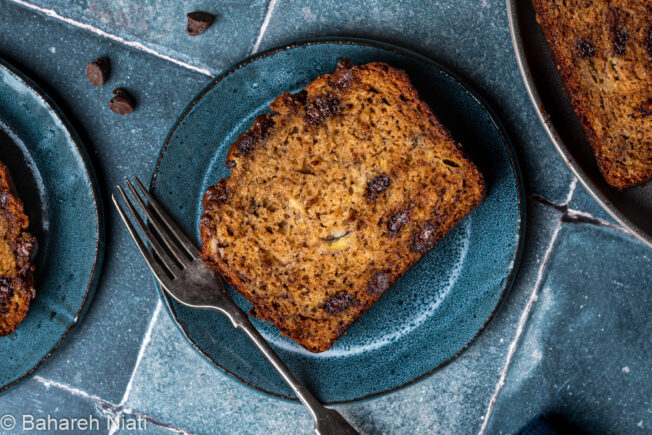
(54,179)
(434,311)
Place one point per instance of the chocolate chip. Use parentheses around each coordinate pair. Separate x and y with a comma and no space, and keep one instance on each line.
(198,22)
(450,163)
(648,41)
(585,49)
(377,186)
(397,221)
(645,107)
(262,124)
(217,194)
(5,295)
(620,35)
(25,247)
(378,284)
(424,239)
(339,302)
(343,75)
(245,143)
(620,41)
(220,192)
(321,108)
(294,102)
(97,72)
(123,103)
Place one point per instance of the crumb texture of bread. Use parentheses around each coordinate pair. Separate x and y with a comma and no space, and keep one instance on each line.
(603,51)
(16,247)
(332,197)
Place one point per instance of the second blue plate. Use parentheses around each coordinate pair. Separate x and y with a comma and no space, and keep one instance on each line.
(54,178)
(434,311)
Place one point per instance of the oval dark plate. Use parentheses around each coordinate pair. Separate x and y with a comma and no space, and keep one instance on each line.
(632,208)
(53,177)
(434,311)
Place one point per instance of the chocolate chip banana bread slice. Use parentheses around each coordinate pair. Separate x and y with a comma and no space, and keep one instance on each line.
(332,197)
(16,247)
(603,50)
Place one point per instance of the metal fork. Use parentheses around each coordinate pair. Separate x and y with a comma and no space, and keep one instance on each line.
(177,265)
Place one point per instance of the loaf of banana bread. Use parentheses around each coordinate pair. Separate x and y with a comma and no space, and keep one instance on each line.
(16,247)
(603,50)
(332,197)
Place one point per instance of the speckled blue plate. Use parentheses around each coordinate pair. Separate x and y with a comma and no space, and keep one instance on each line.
(434,311)
(54,179)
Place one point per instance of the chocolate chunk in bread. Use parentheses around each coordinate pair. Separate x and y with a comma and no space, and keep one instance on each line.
(16,248)
(603,50)
(332,197)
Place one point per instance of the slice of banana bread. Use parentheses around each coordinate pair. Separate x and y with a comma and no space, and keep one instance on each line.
(332,197)
(603,50)
(16,247)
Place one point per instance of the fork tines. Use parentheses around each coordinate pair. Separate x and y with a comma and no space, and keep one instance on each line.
(171,250)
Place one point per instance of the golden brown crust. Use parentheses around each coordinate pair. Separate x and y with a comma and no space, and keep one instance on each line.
(332,198)
(16,247)
(603,51)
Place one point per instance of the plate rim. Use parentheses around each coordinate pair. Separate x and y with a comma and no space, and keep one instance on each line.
(539,107)
(98,208)
(509,281)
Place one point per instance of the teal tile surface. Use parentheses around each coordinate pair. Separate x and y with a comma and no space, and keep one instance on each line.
(585,348)
(452,400)
(29,411)
(99,357)
(471,39)
(584,202)
(161,26)
(585,354)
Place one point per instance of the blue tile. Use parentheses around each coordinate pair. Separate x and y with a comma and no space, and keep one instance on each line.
(585,353)
(98,358)
(204,399)
(469,37)
(36,402)
(584,202)
(453,399)
(150,429)
(161,24)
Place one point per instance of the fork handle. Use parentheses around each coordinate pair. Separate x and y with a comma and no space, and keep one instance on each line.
(327,421)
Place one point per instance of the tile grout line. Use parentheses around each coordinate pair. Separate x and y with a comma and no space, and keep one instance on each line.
(577,216)
(525,315)
(159,423)
(122,408)
(571,191)
(108,407)
(263,27)
(132,44)
(141,352)
(152,420)
(519,330)
(146,340)
(73,391)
